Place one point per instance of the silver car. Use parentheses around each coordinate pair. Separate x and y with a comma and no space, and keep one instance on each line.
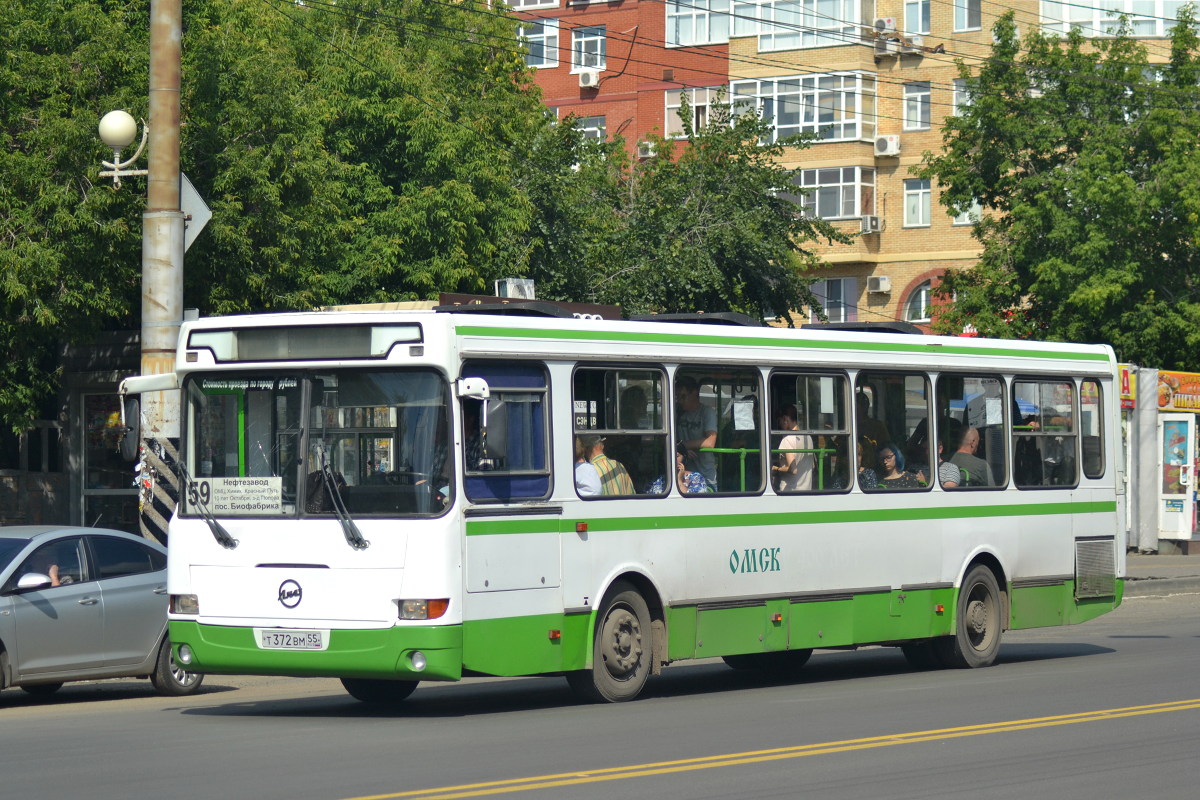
(84,603)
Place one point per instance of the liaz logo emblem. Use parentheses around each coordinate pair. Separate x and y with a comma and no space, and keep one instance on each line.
(290,593)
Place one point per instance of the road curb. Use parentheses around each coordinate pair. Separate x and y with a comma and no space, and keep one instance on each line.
(1148,587)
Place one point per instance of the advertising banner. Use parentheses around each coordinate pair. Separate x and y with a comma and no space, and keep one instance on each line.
(1179,391)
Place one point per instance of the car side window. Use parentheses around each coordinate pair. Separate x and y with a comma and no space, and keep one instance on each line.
(118,557)
(60,560)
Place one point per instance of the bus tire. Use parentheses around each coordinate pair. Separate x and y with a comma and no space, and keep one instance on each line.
(382,692)
(781,662)
(622,650)
(977,623)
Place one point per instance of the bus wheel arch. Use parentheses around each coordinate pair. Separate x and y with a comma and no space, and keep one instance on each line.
(628,642)
(980,617)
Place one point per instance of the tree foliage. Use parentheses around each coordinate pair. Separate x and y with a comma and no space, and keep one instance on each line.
(1083,156)
(374,151)
(707,225)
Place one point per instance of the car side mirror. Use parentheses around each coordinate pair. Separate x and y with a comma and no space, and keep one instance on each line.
(33,580)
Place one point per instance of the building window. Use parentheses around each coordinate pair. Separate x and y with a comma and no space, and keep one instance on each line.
(591,127)
(541,42)
(692,22)
(794,24)
(835,107)
(916,15)
(699,99)
(971,215)
(838,192)
(588,48)
(525,5)
(837,297)
(917,309)
(961,97)
(916,203)
(916,106)
(1146,17)
(967,15)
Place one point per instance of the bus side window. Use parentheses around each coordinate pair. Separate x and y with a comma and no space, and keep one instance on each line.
(970,431)
(810,434)
(1044,434)
(1091,427)
(507,460)
(719,429)
(892,411)
(619,424)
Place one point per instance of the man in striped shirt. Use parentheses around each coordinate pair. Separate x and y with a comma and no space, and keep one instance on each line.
(614,478)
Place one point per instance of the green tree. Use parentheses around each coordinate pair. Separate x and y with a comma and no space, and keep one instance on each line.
(711,225)
(1083,156)
(68,246)
(349,154)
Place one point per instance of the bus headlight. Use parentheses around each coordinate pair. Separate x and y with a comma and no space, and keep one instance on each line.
(184,604)
(418,662)
(185,655)
(423,609)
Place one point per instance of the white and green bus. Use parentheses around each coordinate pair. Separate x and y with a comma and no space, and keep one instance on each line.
(388,497)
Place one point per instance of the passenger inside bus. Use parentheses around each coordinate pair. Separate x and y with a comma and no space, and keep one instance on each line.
(614,478)
(696,428)
(872,432)
(975,471)
(793,467)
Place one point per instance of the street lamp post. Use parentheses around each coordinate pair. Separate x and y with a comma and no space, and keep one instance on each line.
(162,260)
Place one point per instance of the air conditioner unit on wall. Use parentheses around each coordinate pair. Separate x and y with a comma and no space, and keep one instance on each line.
(913,44)
(589,79)
(885,24)
(879,283)
(887,145)
(870,224)
(883,46)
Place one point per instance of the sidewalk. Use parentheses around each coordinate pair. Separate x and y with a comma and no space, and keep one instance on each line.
(1156,574)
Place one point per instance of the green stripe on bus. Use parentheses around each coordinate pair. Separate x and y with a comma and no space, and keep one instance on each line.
(594,335)
(516,526)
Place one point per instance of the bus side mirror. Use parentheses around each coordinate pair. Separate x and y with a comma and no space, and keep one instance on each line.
(131,420)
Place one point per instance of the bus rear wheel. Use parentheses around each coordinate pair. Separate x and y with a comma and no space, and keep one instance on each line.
(621,651)
(977,623)
(370,690)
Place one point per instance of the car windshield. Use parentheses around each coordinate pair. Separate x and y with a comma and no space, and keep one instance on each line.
(9,549)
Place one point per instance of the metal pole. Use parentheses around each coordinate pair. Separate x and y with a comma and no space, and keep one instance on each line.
(162,269)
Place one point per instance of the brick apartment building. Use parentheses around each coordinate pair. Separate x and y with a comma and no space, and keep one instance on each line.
(873,80)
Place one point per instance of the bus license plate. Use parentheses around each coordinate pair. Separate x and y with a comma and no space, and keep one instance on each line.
(291,639)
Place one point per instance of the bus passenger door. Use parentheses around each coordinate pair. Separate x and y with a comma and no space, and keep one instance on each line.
(1177,453)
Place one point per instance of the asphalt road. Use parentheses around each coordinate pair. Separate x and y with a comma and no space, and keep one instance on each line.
(1106,709)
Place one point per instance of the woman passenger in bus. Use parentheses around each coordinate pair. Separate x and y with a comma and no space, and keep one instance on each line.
(894,476)
(867,479)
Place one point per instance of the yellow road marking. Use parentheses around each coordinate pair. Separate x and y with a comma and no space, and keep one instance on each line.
(775,754)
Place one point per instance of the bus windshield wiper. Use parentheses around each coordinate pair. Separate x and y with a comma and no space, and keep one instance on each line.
(353,535)
(196,500)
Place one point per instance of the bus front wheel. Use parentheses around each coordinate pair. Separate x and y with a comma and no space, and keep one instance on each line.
(621,651)
(378,691)
(977,623)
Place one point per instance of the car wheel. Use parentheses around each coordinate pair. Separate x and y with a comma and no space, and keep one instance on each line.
(41,689)
(169,678)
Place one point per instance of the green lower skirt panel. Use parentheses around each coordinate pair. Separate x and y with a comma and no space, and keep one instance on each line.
(376,653)
(1047,606)
(552,643)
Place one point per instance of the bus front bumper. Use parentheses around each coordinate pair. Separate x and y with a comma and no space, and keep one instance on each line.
(387,653)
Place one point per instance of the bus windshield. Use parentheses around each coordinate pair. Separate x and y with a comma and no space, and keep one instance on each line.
(291,444)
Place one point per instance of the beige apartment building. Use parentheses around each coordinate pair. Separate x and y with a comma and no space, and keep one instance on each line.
(873,81)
